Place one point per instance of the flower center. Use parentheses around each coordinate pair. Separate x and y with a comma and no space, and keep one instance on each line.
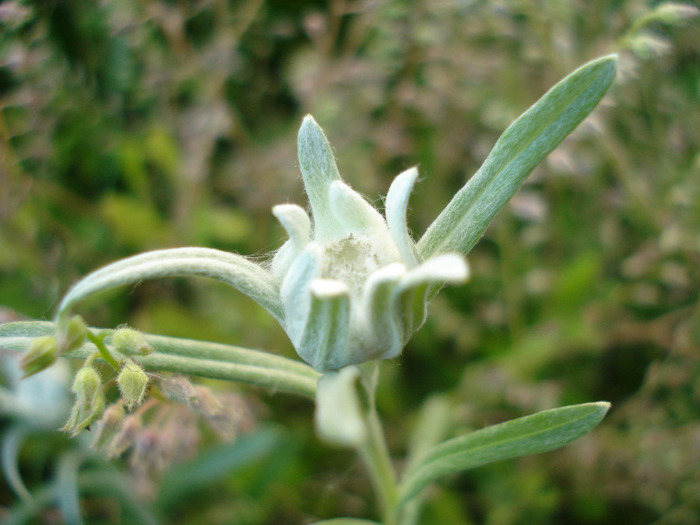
(351,260)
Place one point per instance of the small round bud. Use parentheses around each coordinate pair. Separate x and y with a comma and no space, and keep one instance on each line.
(128,341)
(108,426)
(41,354)
(132,382)
(71,335)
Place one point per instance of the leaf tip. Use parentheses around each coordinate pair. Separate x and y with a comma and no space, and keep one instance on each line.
(608,66)
(604,406)
(308,126)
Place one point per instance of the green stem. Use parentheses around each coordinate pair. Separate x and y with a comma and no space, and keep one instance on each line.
(97,340)
(191,357)
(375,454)
(272,379)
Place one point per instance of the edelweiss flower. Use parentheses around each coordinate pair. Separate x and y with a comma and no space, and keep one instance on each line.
(352,287)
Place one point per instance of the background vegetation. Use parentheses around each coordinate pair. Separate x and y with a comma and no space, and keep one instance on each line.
(139,124)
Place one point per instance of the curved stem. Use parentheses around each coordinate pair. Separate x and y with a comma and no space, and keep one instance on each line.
(98,341)
(375,453)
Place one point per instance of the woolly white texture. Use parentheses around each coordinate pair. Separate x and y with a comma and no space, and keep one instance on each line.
(353,288)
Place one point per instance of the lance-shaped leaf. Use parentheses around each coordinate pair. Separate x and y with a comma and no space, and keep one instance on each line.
(396,210)
(319,170)
(323,343)
(521,147)
(534,434)
(232,269)
(338,416)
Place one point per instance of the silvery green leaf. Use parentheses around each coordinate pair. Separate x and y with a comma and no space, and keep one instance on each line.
(338,418)
(521,147)
(396,210)
(382,316)
(232,269)
(533,434)
(323,342)
(319,170)
(412,292)
(298,226)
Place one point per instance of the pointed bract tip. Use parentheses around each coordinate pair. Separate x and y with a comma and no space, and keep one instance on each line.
(307,121)
(328,288)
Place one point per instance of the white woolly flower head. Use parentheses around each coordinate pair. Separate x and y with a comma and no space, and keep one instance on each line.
(352,286)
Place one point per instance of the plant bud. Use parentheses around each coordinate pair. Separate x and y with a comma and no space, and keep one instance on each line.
(90,400)
(125,437)
(41,354)
(130,342)
(108,426)
(206,404)
(178,389)
(132,382)
(71,335)
(87,384)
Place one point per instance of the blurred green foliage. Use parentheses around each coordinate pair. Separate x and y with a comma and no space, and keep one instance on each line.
(138,124)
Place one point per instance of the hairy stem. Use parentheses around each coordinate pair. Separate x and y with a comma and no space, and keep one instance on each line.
(186,356)
(375,455)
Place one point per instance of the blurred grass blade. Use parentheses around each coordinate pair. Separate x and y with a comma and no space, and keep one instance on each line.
(11,443)
(235,270)
(434,420)
(533,434)
(67,491)
(345,521)
(516,153)
(192,357)
(109,483)
(211,467)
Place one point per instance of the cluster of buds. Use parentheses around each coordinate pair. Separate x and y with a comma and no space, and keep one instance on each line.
(88,386)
